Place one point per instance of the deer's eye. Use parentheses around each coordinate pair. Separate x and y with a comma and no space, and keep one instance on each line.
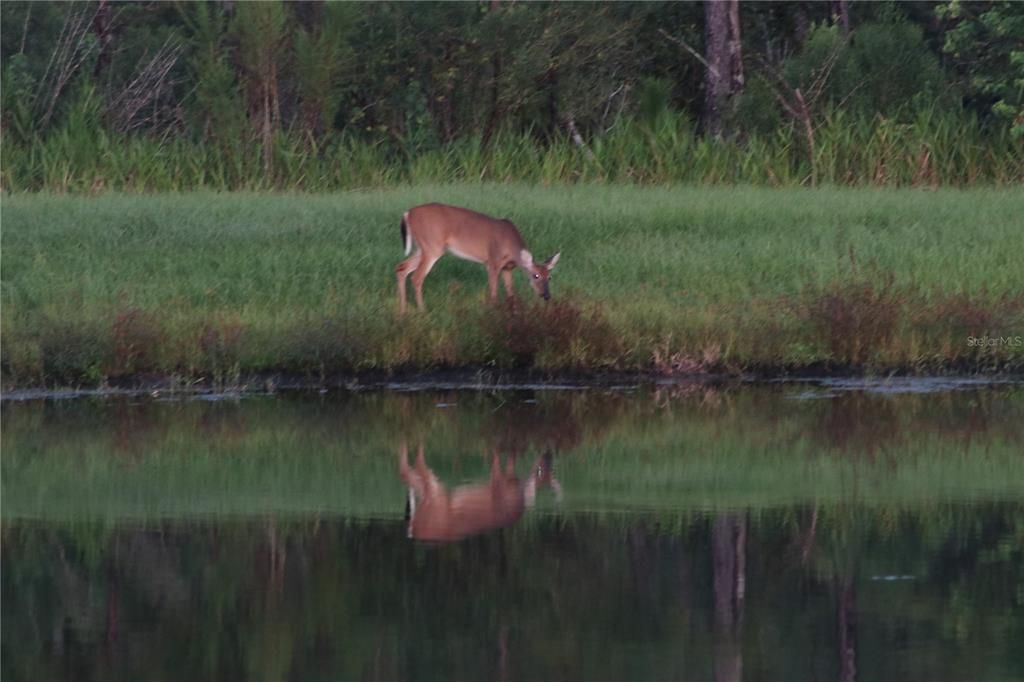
(536,276)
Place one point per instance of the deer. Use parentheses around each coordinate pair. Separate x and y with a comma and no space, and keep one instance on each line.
(497,244)
(439,515)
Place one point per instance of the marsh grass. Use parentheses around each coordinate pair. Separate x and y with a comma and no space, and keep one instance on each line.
(929,149)
(674,279)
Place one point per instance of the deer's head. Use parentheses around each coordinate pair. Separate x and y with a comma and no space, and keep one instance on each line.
(542,476)
(538,274)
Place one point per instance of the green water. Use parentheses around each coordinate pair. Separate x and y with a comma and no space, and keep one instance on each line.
(773,532)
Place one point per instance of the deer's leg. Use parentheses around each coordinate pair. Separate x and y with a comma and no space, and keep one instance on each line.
(430,481)
(495,464)
(402,271)
(506,277)
(492,282)
(426,263)
(410,477)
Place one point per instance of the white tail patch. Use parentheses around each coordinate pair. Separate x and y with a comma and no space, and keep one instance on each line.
(408,233)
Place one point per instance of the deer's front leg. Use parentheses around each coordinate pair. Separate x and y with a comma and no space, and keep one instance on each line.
(506,278)
(492,282)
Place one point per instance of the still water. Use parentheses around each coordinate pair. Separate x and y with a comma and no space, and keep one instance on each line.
(838,531)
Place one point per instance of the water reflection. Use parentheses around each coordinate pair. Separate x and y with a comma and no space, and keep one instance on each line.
(709,534)
(729,554)
(439,515)
(660,597)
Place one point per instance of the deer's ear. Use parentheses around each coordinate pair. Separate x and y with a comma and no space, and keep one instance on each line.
(526,258)
(553,261)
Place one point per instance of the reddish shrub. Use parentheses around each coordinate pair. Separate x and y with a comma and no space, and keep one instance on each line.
(135,338)
(854,319)
(560,328)
(219,344)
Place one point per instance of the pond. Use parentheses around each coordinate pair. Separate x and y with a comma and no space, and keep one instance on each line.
(849,530)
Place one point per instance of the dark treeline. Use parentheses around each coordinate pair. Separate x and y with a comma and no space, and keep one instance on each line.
(356,599)
(264,94)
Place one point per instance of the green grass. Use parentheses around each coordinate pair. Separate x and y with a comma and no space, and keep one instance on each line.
(673,279)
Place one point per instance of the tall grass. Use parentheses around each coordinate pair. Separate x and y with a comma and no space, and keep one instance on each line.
(664,279)
(934,149)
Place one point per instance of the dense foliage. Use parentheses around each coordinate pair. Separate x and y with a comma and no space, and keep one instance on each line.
(311,95)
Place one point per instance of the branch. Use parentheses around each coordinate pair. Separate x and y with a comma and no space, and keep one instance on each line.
(65,60)
(145,88)
(608,103)
(577,139)
(24,30)
(682,43)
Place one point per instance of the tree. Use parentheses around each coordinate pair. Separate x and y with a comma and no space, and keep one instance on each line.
(321,56)
(261,31)
(987,43)
(724,60)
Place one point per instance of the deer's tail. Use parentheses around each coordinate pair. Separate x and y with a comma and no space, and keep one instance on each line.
(406,237)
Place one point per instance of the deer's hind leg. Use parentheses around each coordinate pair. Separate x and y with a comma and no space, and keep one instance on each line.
(432,484)
(402,271)
(422,270)
(409,476)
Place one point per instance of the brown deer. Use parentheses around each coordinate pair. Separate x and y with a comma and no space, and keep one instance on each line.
(439,515)
(497,244)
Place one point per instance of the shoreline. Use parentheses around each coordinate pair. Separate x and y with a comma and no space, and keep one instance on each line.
(484,379)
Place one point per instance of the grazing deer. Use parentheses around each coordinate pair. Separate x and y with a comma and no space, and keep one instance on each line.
(437,515)
(497,244)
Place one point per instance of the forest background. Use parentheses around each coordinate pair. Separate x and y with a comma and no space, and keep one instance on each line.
(316,96)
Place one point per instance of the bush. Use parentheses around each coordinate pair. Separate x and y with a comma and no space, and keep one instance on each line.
(884,68)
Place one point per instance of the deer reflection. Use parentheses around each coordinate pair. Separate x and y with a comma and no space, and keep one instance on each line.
(439,515)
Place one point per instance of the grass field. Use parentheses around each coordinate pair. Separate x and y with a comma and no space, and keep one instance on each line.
(666,279)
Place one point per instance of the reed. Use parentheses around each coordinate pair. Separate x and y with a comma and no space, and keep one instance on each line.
(936,148)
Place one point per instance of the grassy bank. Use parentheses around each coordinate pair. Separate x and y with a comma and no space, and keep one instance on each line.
(669,279)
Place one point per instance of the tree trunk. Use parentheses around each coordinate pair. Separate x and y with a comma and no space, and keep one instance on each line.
(847,624)
(724,56)
(267,132)
(840,11)
(101,25)
(494,116)
(551,81)
(729,551)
